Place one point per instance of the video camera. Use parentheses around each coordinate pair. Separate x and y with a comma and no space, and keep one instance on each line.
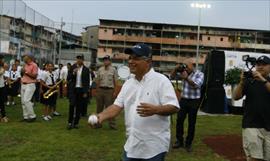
(249,61)
(181,68)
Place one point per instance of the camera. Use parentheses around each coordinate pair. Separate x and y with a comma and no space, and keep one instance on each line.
(181,68)
(249,61)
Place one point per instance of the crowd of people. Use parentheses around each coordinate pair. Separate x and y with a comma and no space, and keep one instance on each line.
(147,98)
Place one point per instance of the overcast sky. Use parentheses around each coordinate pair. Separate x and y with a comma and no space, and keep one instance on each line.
(234,14)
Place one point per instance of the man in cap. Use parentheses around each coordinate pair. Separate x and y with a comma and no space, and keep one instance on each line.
(106,84)
(148,99)
(28,87)
(256,120)
(78,87)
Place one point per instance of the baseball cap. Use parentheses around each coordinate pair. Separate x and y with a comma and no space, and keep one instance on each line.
(107,57)
(80,56)
(139,50)
(263,60)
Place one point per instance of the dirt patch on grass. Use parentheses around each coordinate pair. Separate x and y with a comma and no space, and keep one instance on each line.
(228,146)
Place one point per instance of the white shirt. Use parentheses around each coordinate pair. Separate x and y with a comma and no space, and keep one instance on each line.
(2,80)
(14,75)
(6,74)
(146,136)
(41,74)
(47,78)
(78,78)
(64,73)
(57,73)
(19,68)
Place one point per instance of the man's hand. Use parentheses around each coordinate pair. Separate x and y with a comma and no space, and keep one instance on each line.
(258,76)
(184,75)
(85,95)
(93,123)
(146,109)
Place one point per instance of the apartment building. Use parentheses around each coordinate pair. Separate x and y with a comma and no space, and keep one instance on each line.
(172,43)
(18,36)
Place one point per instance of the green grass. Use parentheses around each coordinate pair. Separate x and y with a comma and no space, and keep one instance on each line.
(50,141)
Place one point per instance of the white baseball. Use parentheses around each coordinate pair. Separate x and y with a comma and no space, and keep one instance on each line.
(92,119)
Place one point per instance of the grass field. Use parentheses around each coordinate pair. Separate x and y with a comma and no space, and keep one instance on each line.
(50,141)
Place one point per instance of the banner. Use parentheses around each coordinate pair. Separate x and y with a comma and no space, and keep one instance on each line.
(4,46)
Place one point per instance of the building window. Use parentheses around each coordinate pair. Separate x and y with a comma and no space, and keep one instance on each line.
(209,38)
(105,30)
(221,39)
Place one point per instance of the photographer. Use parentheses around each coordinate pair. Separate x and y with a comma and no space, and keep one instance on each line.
(192,82)
(256,117)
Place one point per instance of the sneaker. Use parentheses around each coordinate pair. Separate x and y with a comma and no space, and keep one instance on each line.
(45,118)
(19,95)
(4,119)
(49,117)
(56,113)
(13,103)
(8,103)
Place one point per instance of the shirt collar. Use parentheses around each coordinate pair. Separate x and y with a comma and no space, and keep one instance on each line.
(148,75)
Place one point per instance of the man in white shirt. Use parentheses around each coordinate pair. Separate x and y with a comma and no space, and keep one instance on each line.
(148,100)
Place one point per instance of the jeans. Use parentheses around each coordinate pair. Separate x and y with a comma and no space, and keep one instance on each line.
(159,157)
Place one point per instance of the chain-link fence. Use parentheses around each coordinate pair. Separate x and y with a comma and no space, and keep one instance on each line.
(23,29)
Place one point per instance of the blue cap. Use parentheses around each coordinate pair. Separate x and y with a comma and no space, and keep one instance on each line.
(263,60)
(139,50)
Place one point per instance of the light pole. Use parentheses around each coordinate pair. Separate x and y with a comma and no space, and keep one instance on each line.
(60,40)
(199,6)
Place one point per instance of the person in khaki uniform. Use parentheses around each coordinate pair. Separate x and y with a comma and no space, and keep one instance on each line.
(106,82)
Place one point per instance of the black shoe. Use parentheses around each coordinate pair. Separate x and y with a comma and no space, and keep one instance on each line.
(31,120)
(23,120)
(69,126)
(177,145)
(188,148)
(75,126)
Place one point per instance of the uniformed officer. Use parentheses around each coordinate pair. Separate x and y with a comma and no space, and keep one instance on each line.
(106,82)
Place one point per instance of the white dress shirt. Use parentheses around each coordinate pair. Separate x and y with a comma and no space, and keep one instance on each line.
(14,75)
(146,136)
(47,78)
(79,77)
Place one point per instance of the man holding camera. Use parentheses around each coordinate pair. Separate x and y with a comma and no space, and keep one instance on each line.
(256,117)
(192,82)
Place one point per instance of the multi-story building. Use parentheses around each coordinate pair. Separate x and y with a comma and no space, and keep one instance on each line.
(172,43)
(18,36)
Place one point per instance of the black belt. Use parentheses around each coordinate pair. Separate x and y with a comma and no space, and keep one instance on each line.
(106,87)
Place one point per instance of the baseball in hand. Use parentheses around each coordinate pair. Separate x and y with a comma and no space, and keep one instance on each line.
(92,119)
